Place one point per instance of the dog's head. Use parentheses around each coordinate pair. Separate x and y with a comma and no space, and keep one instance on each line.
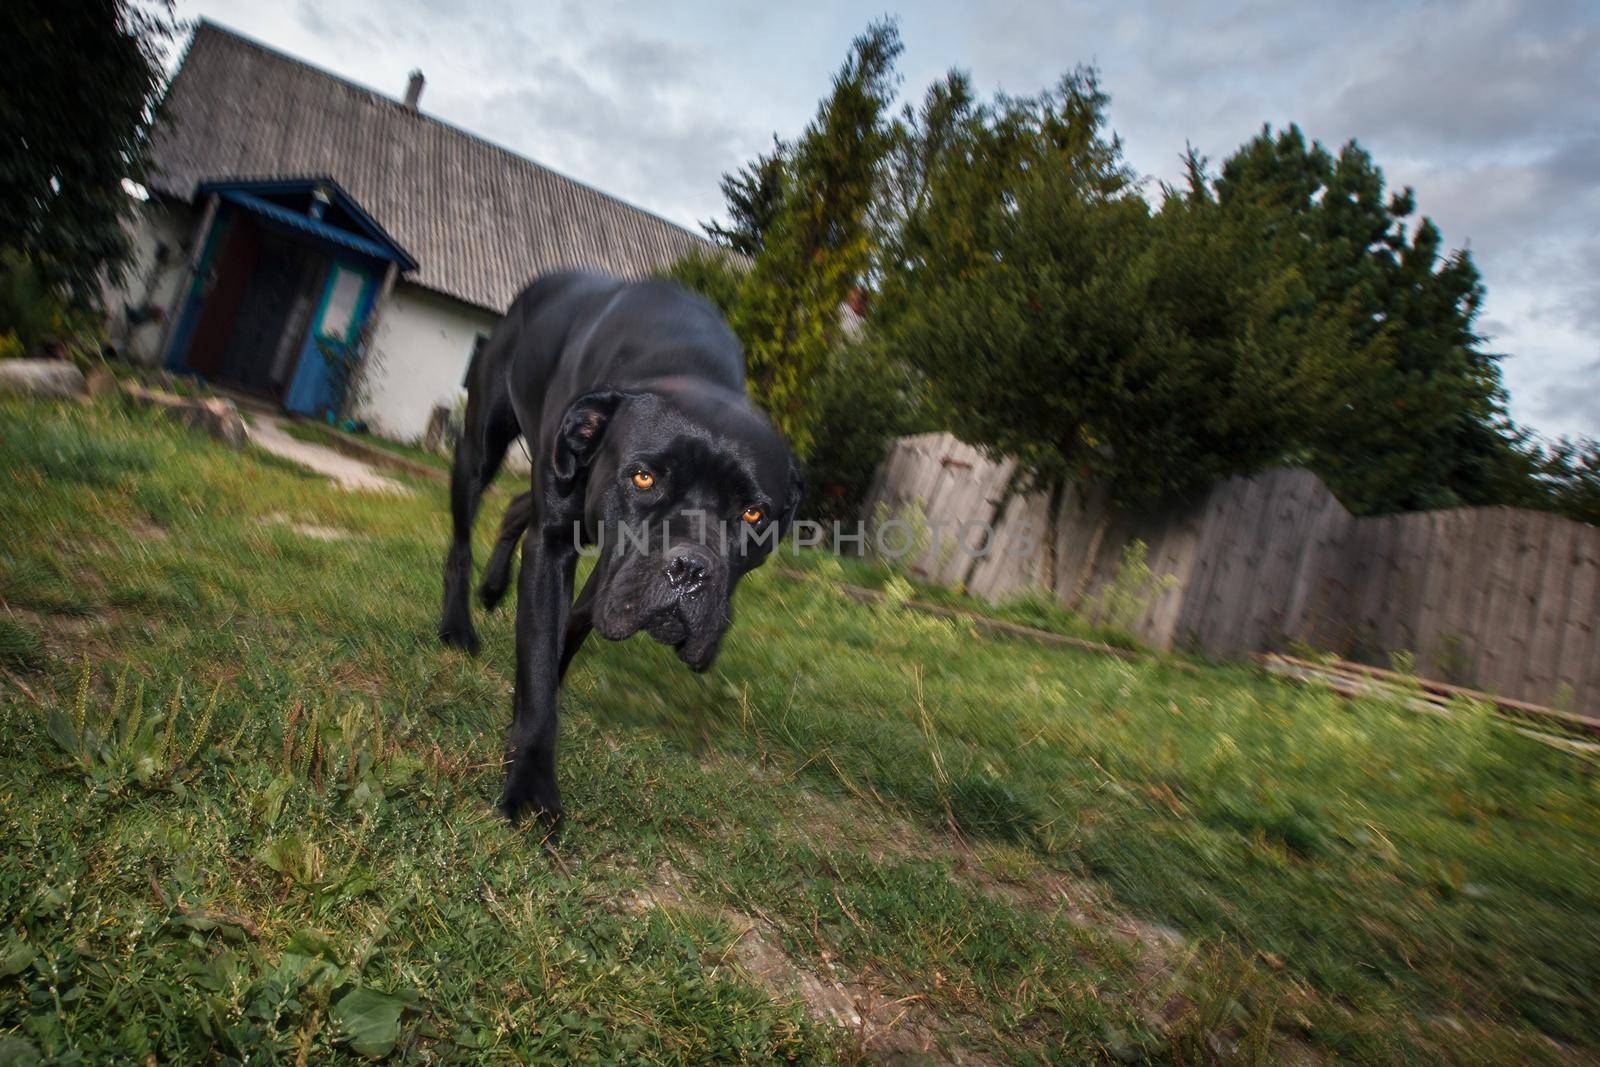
(685,488)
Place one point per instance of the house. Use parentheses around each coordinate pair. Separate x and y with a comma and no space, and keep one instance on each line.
(298,224)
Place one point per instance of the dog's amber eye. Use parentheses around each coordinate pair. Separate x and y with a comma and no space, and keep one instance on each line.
(753,515)
(643,479)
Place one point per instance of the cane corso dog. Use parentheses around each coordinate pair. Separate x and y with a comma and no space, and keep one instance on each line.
(646,453)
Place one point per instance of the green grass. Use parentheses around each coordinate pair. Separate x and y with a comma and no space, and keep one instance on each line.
(1035,609)
(245,799)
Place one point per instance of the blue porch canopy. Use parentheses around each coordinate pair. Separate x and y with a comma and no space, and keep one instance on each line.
(316,206)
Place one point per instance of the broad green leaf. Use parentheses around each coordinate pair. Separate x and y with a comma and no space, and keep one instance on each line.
(63,732)
(369,1021)
(18,1052)
(15,957)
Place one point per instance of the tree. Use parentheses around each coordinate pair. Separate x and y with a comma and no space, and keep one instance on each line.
(753,194)
(1421,421)
(712,276)
(76,106)
(1567,474)
(918,141)
(816,248)
(1060,320)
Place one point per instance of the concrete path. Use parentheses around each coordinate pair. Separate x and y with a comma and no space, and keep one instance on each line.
(267,431)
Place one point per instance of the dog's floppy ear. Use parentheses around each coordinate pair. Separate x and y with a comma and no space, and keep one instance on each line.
(797,494)
(578,436)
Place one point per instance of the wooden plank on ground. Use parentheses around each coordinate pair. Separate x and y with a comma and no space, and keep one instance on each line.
(1581,722)
(1353,685)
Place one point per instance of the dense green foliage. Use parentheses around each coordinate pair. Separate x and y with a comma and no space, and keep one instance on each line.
(289,849)
(1060,320)
(862,402)
(1283,311)
(753,197)
(1420,421)
(1566,477)
(34,314)
(76,105)
(859,400)
(714,276)
(1027,294)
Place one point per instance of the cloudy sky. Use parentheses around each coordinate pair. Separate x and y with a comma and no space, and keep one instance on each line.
(1490,109)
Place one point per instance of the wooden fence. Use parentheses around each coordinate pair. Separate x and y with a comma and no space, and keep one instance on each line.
(1499,599)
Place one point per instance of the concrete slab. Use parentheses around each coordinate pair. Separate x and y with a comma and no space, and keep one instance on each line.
(267,431)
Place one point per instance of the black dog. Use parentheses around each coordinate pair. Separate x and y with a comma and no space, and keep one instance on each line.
(632,400)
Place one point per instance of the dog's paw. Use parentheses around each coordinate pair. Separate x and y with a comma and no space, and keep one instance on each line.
(546,812)
(492,590)
(458,635)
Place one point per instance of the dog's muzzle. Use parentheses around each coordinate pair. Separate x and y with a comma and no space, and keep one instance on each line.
(679,597)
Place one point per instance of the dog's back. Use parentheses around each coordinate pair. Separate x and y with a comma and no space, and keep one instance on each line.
(571,333)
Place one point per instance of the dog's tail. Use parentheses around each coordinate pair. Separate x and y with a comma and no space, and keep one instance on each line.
(497,575)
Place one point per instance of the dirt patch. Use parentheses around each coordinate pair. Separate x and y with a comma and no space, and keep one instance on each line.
(1078,903)
(887,1026)
(1036,888)
(308,529)
(65,636)
(863,826)
(1160,953)
(894,1023)
(147,530)
(349,677)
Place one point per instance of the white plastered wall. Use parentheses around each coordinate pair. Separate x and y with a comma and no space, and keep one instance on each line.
(421,351)
(152,278)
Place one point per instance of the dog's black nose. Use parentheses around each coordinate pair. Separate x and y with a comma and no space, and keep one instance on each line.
(686,572)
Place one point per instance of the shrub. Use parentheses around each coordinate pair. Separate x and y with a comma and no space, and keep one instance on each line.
(916,538)
(1131,591)
(348,372)
(864,402)
(33,313)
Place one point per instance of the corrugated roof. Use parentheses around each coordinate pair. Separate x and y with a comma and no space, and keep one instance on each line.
(481,221)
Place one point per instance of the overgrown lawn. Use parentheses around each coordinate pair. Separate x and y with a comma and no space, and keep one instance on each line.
(246,805)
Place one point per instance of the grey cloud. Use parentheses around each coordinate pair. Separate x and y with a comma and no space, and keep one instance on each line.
(609,128)
(1490,74)
(1513,201)
(1570,402)
(606,103)
(1583,302)
(313,18)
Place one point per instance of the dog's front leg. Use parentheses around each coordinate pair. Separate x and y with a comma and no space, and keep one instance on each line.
(544,591)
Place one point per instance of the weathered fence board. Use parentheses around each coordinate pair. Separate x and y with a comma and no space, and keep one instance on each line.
(1497,599)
